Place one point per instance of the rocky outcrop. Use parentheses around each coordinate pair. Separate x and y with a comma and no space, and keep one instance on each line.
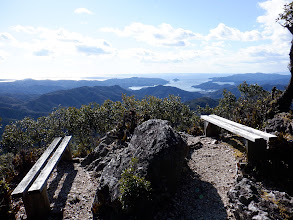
(102,154)
(252,201)
(160,152)
(281,123)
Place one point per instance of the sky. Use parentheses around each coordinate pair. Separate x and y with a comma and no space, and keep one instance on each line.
(69,39)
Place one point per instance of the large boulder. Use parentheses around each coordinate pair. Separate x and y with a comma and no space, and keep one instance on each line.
(160,153)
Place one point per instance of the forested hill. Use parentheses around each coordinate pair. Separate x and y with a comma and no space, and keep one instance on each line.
(252,78)
(35,98)
(30,86)
(98,94)
(75,97)
(16,107)
(165,91)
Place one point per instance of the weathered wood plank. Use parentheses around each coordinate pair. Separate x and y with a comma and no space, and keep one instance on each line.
(35,170)
(41,180)
(264,135)
(248,135)
(255,150)
(37,205)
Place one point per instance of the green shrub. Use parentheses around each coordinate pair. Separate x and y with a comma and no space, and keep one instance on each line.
(135,190)
(6,211)
(7,171)
(89,122)
(250,109)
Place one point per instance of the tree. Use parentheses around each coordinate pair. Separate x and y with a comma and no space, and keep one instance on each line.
(283,103)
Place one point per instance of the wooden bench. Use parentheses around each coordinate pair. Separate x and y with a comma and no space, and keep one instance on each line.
(255,140)
(33,187)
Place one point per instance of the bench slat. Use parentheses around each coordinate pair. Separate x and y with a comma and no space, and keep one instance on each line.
(40,182)
(231,128)
(264,135)
(35,170)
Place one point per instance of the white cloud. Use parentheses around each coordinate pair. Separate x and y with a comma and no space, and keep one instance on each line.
(42,53)
(60,42)
(276,44)
(3,55)
(262,52)
(25,29)
(165,48)
(83,11)
(6,37)
(272,29)
(94,50)
(146,55)
(223,32)
(162,35)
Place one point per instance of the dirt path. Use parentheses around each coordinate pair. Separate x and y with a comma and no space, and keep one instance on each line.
(205,182)
(202,193)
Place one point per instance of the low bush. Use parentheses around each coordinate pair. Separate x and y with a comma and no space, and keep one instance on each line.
(135,191)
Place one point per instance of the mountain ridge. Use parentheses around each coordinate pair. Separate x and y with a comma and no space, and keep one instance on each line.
(31,86)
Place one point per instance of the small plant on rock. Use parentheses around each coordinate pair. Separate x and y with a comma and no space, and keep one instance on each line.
(135,190)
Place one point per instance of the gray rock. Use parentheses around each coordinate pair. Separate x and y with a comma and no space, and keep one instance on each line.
(282,122)
(252,201)
(160,152)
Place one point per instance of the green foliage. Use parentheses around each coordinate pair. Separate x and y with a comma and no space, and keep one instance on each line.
(250,109)
(253,105)
(6,211)
(12,169)
(286,18)
(135,190)
(6,167)
(226,105)
(89,122)
(202,102)
(171,109)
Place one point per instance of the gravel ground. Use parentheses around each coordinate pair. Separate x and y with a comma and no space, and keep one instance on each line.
(71,192)
(202,193)
(210,173)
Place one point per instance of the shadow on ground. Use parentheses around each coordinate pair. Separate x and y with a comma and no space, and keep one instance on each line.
(64,179)
(195,199)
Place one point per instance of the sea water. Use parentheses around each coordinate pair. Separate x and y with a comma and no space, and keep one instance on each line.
(183,81)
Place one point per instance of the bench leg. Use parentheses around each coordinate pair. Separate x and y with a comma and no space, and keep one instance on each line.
(67,156)
(210,129)
(37,205)
(255,150)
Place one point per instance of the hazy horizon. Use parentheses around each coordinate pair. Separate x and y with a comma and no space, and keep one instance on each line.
(166,76)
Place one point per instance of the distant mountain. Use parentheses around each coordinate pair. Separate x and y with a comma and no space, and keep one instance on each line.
(85,95)
(267,81)
(165,91)
(30,86)
(211,86)
(252,78)
(134,81)
(35,98)
(12,108)
(75,97)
